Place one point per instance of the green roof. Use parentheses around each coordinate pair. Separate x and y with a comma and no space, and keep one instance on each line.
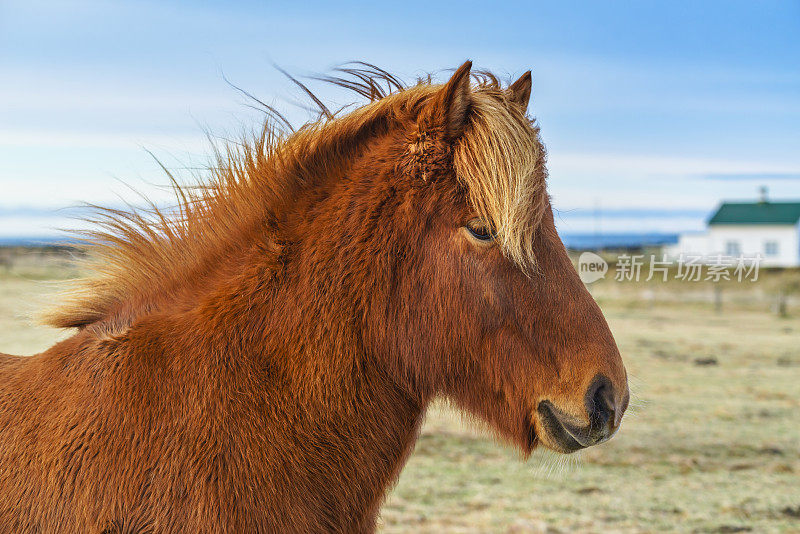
(757,213)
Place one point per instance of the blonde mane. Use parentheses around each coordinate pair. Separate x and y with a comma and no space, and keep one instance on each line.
(134,255)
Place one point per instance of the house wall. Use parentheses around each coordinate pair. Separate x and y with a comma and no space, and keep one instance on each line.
(751,240)
(694,243)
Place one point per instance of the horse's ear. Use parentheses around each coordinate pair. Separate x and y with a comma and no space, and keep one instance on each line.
(453,103)
(519,92)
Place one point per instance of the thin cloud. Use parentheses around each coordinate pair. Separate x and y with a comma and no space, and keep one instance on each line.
(756,176)
(632,213)
(98,139)
(659,164)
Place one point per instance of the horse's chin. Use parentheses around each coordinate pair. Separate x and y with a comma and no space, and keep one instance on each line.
(530,440)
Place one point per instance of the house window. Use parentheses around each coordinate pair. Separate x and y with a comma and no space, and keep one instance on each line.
(771,248)
(732,248)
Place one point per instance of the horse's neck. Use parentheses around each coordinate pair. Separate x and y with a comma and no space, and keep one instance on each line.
(326,425)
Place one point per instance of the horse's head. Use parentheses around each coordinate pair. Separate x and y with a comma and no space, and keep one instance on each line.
(472,294)
(415,233)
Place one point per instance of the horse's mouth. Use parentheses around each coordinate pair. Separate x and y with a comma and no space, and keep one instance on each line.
(567,433)
(563,434)
(553,436)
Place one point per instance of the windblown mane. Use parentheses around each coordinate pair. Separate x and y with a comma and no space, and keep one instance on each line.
(136,254)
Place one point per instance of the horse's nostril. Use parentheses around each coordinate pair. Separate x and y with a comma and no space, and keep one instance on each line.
(600,403)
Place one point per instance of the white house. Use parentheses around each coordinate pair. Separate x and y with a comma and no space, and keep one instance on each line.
(766,229)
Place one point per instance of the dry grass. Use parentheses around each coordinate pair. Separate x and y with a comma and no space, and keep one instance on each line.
(704,448)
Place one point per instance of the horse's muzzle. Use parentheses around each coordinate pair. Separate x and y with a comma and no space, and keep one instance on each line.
(571,434)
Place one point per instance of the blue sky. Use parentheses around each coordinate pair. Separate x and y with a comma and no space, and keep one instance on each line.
(653,111)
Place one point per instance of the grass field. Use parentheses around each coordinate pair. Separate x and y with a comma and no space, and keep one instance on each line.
(710,444)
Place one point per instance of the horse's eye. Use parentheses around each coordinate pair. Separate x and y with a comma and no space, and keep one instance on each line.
(480,230)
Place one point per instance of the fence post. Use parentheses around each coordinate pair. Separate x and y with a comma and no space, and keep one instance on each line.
(780,304)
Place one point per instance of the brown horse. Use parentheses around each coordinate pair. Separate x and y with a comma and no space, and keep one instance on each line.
(261,360)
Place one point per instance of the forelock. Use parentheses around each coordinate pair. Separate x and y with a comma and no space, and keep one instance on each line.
(501,161)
